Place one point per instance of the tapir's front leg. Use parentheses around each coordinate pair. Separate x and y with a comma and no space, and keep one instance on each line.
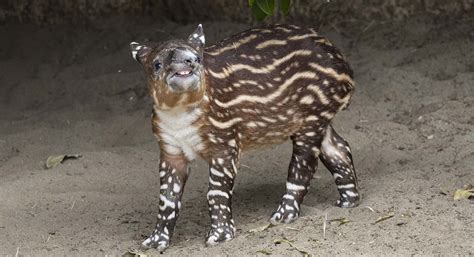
(222,171)
(173,176)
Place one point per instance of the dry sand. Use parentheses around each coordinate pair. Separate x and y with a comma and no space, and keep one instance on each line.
(66,89)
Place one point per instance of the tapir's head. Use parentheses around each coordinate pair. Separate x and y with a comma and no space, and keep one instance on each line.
(174,70)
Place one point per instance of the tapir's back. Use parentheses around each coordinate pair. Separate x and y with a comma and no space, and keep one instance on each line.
(275,77)
(260,47)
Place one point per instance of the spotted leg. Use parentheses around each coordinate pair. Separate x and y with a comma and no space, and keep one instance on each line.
(173,176)
(303,164)
(222,173)
(336,156)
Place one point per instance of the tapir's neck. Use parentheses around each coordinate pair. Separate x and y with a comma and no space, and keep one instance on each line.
(179,130)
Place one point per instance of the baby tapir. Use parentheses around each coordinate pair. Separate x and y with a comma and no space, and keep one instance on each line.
(254,89)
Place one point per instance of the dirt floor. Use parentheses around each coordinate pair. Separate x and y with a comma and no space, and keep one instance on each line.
(66,89)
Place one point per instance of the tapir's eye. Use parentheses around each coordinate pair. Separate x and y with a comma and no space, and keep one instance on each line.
(157,66)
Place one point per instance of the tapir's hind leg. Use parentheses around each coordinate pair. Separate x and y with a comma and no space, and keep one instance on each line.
(304,161)
(336,156)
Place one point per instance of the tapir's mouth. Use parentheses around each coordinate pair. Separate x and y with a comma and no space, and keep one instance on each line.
(183,78)
(183,73)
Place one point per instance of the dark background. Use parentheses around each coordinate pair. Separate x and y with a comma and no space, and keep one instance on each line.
(334,11)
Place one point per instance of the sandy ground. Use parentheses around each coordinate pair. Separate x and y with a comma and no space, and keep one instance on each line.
(77,90)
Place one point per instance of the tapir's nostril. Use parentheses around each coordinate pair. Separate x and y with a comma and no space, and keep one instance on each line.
(184,56)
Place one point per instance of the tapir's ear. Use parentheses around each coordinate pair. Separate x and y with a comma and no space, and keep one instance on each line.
(197,38)
(139,52)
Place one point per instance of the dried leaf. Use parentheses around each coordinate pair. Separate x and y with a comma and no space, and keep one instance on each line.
(261,228)
(284,240)
(55,160)
(341,221)
(264,251)
(463,194)
(384,218)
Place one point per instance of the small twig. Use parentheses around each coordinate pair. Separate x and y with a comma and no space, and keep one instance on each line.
(292,245)
(290,228)
(264,252)
(73,203)
(17,251)
(383,218)
(456,153)
(341,221)
(248,167)
(335,27)
(370,208)
(368,26)
(320,18)
(324,225)
(261,228)
(141,251)
(47,239)
(137,231)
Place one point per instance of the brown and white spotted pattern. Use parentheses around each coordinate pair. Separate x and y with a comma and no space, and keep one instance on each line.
(336,156)
(173,175)
(257,88)
(222,172)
